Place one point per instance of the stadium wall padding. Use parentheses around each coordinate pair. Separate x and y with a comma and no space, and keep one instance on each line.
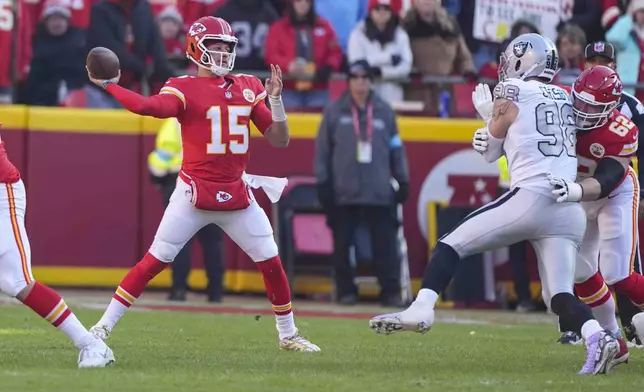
(92,211)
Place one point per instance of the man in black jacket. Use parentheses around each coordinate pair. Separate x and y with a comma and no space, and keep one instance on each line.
(58,62)
(358,151)
(129,29)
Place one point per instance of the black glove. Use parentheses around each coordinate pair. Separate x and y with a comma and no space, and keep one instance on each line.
(402,194)
(395,59)
(323,74)
(376,72)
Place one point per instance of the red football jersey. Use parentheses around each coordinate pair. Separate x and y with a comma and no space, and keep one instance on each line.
(8,172)
(617,138)
(215,123)
(22,55)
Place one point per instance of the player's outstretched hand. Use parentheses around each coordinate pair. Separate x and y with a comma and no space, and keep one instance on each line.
(479,141)
(274,84)
(103,82)
(564,190)
(482,100)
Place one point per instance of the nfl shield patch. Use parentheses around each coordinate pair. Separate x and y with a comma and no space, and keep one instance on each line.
(598,47)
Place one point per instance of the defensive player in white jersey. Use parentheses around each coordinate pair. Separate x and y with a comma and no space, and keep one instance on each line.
(531,123)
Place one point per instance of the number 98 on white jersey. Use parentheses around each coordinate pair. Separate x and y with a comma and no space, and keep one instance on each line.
(543,138)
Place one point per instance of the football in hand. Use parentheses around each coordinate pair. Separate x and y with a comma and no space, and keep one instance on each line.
(102,63)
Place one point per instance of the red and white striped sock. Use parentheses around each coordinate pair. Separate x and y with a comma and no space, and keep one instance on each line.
(50,306)
(596,294)
(131,288)
(279,293)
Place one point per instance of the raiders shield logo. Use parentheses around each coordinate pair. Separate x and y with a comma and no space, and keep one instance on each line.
(520,48)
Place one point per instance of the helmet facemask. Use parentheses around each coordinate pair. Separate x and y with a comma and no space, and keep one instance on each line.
(590,114)
(216,60)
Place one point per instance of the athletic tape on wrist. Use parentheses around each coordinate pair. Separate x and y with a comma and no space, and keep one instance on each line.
(277,108)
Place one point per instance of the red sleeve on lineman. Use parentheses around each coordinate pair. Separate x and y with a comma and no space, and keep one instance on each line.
(261,116)
(159,106)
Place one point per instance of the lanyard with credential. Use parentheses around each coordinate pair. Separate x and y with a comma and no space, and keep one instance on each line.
(356,123)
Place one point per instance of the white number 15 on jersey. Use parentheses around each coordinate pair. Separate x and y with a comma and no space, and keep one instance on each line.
(216,145)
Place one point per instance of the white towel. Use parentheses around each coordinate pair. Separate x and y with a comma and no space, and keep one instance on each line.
(273,186)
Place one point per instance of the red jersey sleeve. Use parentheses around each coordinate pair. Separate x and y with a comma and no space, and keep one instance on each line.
(261,114)
(170,102)
(623,134)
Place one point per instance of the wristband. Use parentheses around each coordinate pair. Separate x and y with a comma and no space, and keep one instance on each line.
(105,83)
(277,108)
(575,191)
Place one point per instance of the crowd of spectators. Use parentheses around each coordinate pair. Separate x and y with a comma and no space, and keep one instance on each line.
(43,44)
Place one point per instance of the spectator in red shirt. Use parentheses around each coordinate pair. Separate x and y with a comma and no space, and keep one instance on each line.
(305,46)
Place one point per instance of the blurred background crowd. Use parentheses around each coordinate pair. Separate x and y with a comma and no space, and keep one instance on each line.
(424,53)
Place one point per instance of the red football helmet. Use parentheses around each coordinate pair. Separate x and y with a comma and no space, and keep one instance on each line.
(595,94)
(211,45)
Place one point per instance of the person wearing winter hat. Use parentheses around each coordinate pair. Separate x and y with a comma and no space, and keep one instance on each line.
(170,23)
(58,62)
(384,44)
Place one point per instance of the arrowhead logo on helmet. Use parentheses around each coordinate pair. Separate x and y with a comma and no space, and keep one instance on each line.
(196,28)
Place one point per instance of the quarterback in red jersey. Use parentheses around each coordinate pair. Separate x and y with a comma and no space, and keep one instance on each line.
(609,191)
(17,280)
(214,110)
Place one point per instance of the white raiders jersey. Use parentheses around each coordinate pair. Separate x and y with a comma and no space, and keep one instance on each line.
(543,138)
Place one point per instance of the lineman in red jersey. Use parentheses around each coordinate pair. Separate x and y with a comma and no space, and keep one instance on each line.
(214,109)
(17,280)
(609,191)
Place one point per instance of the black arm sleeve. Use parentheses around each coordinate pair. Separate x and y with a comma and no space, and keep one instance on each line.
(609,174)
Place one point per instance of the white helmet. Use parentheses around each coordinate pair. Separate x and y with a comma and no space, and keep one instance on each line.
(529,55)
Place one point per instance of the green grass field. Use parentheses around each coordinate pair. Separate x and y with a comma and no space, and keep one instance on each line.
(160,351)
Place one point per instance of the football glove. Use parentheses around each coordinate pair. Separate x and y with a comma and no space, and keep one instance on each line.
(482,100)
(479,141)
(565,190)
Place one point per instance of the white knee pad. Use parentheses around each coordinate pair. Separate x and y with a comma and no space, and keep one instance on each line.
(164,251)
(263,248)
(611,270)
(12,285)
